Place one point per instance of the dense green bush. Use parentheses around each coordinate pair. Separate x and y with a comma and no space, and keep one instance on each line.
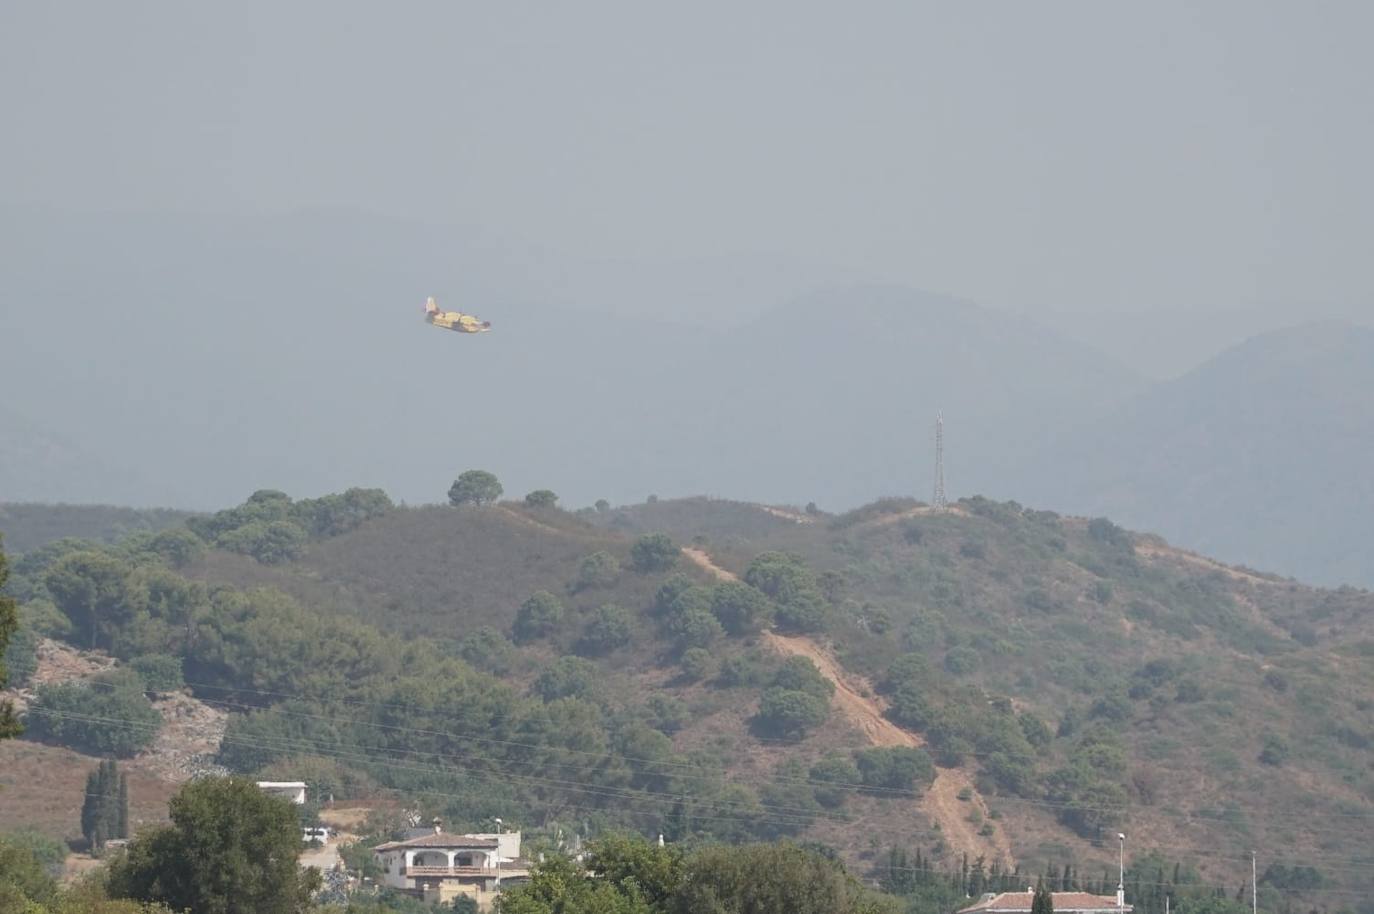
(696,663)
(654,552)
(537,617)
(600,569)
(569,677)
(790,714)
(835,776)
(159,672)
(961,660)
(110,716)
(894,767)
(178,546)
(20,658)
(541,498)
(741,609)
(271,543)
(799,674)
(608,630)
(487,649)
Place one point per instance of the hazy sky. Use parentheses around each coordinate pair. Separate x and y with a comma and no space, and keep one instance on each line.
(1057,158)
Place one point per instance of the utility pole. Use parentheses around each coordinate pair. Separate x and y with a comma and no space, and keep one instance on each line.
(1254,896)
(939,502)
(1121,873)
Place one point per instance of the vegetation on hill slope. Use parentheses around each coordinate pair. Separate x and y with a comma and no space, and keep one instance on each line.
(28,526)
(523,662)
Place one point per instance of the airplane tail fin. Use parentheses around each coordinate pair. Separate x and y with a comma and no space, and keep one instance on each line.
(430,306)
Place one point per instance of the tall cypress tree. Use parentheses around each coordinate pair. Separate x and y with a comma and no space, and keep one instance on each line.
(90,807)
(123,818)
(105,809)
(1043,903)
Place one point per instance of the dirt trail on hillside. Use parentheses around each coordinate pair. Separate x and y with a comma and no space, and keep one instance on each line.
(788,514)
(855,700)
(528,521)
(921,511)
(1157,551)
(858,708)
(702,560)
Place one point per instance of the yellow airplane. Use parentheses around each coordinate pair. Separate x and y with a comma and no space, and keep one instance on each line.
(454,320)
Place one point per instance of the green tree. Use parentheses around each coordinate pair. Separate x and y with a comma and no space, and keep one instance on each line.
(91,588)
(1043,902)
(537,617)
(834,776)
(674,586)
(801,606)
(894,767)
(179,546)
(9,623)
(600,569)
(541,498)
(790,714)
(802,675)
(23,879)
(569,677)
(271,543)
(694,627)
(487,649)
(608,630)
(696,663)
(475,487)
(110,716)
(741,609)
(560,886)
(654,552)
(767,879)
(333,515)
(159,672)
(231,849)
(105,807)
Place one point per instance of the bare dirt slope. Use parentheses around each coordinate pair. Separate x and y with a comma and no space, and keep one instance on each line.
(702,560)
(854,698)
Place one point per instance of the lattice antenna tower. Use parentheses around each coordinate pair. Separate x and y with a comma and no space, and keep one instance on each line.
(940,502)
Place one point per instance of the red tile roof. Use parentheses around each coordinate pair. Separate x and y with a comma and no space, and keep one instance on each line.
(1064,902)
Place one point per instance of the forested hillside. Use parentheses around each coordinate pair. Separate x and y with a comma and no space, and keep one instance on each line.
(990,686)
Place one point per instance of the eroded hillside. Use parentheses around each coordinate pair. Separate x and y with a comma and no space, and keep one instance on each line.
(1005,683)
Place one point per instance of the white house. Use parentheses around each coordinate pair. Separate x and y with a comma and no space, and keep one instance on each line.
(439,866)
(1064,903)
(287,790)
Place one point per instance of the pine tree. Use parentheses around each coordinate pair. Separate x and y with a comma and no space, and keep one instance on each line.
(1043,903)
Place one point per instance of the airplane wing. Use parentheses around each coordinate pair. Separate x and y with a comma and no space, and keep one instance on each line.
(471,324)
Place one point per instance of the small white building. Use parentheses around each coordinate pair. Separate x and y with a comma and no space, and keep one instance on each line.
(1064,903)
(438,866)
(287,790)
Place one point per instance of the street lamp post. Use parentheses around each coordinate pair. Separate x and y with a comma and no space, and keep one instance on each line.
(499,827)
(1121,872)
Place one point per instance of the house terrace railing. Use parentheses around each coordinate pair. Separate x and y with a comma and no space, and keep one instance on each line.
(437,871)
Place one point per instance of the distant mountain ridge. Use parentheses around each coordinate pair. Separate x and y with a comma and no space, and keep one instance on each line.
(1259,456)
(226,355)
(291,354)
